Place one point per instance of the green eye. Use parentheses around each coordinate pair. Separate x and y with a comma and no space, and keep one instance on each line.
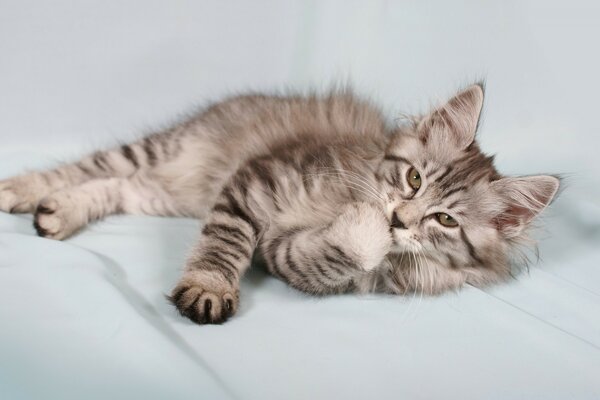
(446,220)
(414,178)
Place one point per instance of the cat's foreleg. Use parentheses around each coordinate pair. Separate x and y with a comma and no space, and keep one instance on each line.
(208,291)
(335,257)
(22,194)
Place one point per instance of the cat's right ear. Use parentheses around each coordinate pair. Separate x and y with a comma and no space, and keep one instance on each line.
(523,199)
(456,121)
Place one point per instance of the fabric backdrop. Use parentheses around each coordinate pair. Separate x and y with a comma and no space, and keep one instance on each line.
(86,318)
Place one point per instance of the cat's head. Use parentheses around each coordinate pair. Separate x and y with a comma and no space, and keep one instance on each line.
(453,217)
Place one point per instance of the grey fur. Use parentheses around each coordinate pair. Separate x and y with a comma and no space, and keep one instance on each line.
(311,183)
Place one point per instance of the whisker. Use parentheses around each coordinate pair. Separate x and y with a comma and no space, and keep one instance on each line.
(412,275)
(420,291)
(411,298)
(360,179)
(361,189)
(350,179)
(357,186)
(356,178)
(428,270)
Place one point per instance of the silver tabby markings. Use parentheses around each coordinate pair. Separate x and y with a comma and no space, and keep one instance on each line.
(320,187)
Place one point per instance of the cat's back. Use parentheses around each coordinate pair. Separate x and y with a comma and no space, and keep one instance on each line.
(271,119)
(219,140)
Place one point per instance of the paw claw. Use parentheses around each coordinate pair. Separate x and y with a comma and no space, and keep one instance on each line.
(41,231)
(207,306)
(42,209)
(203,304)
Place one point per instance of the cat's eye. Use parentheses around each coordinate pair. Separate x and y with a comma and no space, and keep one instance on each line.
(414,178)
(446,220)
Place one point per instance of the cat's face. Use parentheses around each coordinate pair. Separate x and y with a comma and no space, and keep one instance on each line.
(453,217)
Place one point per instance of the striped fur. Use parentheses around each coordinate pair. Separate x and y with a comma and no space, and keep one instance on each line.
(316,186)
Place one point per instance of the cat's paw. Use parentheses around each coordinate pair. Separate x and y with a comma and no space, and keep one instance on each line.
(205,297)
(363,230)
(58,217)
(21,194)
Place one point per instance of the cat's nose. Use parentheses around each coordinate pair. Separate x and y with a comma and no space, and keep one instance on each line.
(396,222)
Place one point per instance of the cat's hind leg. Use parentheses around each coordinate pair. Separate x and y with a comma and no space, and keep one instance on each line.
(66,211)
(22,194)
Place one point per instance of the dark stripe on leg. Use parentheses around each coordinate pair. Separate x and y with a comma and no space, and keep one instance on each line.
(343,257)
(322,271)
(234,245)
(264,174)
(99,161)
(235,210)
(332,264)
(272,249)
(220,256)
(129,154)
(150,153)
(85,170)
(218,264)
(215,229)
(292,265)
(236,257)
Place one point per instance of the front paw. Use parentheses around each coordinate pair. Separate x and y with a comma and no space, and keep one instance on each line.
(363,229)
(205,297)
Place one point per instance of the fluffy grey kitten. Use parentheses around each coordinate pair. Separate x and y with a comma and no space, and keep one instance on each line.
(320,187)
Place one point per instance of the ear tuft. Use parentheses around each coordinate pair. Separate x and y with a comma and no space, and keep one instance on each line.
(457,120)
(524,199)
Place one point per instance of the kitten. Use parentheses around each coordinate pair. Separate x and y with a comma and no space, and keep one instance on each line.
(331,198)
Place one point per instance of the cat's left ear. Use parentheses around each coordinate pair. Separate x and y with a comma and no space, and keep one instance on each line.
(523,199)
(456,121)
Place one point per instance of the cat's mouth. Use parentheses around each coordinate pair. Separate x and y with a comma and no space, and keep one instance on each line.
(405,242)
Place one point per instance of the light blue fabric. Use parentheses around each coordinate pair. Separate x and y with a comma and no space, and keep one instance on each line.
(86,318)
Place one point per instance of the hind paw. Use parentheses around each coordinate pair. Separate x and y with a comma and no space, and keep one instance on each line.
(56,217)
(21,194)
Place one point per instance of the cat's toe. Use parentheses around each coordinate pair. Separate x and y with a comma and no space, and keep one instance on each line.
(205,305)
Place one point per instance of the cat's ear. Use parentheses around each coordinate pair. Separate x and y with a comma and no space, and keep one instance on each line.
(456,121)
(522,199)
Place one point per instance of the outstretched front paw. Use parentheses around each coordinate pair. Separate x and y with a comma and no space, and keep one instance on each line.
(205,297)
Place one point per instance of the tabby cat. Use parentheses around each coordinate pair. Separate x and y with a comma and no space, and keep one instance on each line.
(320,187)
